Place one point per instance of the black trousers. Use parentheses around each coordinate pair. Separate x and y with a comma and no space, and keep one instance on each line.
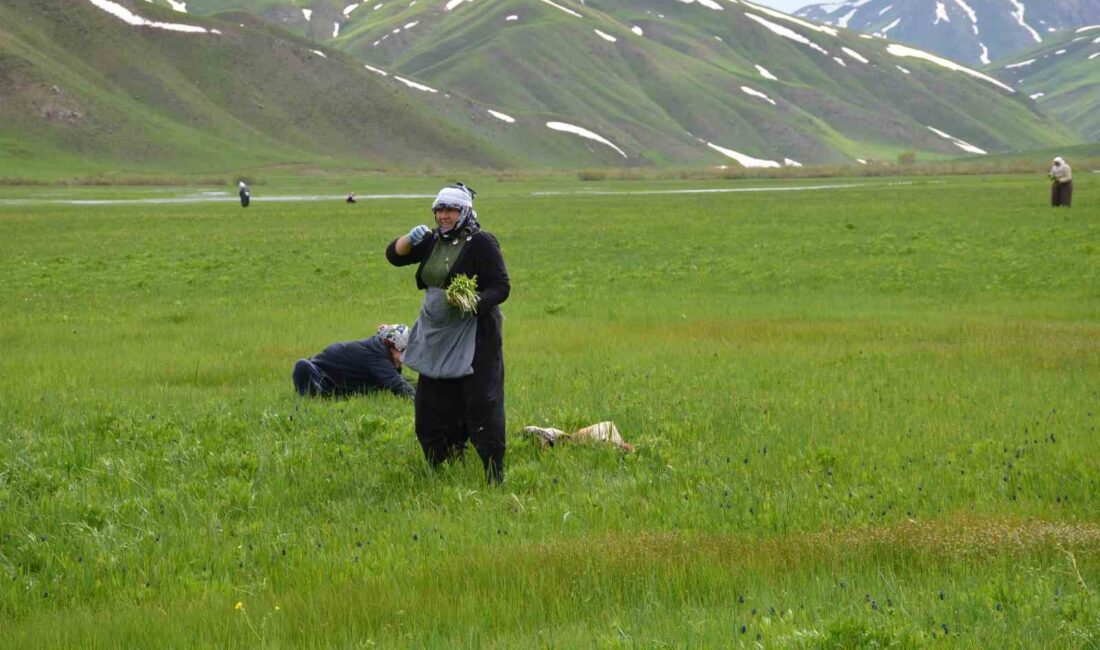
(450,412)
(1061,194)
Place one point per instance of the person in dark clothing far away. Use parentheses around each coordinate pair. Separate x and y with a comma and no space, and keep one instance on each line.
(355,367)
(351,197)
(1061,184)
(246,196)
(460,392)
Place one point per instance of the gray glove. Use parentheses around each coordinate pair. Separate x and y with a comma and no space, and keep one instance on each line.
(417,234)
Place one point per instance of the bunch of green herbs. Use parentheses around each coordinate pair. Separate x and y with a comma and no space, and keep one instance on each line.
(462,293)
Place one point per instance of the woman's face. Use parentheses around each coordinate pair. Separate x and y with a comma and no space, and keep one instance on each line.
(447,217)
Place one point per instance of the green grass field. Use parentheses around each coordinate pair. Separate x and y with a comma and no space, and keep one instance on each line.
(866,417)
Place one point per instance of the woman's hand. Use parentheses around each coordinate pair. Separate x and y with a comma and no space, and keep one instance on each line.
(415,236)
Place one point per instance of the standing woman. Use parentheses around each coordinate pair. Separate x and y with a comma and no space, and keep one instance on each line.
(460,393)
(1061,184)
(244,193)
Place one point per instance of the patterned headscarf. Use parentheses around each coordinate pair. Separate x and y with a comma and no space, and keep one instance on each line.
(398,335)
(461,198)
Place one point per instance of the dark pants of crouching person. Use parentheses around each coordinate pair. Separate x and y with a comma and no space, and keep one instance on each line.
(1061,194)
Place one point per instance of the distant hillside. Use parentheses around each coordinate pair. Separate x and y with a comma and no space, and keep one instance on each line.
(507,83)
(975,32)
(233,91)
(681,82)
(1063,76)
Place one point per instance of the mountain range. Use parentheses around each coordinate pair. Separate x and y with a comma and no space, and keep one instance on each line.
(508,83)
(974,32)
(1063,76)
(131,83)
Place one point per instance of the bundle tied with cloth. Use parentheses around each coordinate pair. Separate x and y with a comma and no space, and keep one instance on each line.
(601,433)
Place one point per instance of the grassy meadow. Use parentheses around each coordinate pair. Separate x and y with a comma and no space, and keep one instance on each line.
(866,417)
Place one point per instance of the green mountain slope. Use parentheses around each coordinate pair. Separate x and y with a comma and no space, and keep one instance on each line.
(80,80)
(689,78)
(1063,76)
(508,83)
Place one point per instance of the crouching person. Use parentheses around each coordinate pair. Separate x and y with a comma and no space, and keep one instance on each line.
(355,367)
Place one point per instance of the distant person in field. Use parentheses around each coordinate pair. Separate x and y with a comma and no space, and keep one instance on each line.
(1061,184)
(355,367)
(246,196)
(460,393)
(351,197)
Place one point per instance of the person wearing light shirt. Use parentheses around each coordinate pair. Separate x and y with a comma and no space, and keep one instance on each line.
(1061,184)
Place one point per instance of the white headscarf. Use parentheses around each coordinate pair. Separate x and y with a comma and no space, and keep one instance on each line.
(460,197)
(456,197)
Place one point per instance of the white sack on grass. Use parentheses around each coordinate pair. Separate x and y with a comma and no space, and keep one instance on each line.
(605,433)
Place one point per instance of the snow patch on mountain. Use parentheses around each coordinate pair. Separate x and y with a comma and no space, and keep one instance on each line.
(412,84)
(1019,16)
(558,6)
(764,73)
(904,51)
(756,93)
(745,161)
(941,14)
(886,30)
(824,29)
(709,4)
(846,18)
(130,18)
(502,116)
(855,55)
(970,13)
(584,133)
(780,30)
(961,144)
